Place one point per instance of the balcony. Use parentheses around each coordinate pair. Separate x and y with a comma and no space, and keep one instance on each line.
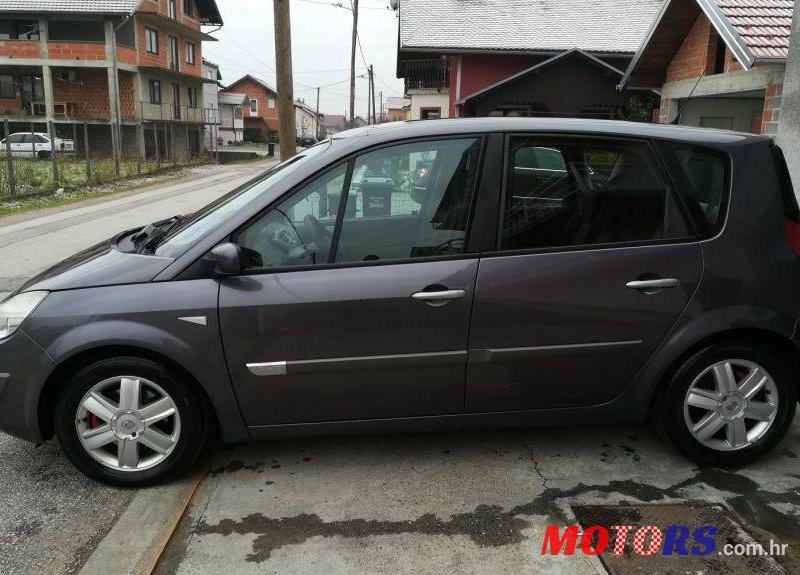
(169,112)
(426,74)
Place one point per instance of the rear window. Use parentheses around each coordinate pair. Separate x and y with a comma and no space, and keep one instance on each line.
(702,177)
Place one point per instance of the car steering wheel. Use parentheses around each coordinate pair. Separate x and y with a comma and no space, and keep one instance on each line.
(322,237)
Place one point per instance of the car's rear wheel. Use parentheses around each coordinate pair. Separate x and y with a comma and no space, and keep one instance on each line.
(728,404)
(130,421)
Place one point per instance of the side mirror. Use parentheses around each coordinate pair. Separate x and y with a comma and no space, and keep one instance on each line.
(227,259)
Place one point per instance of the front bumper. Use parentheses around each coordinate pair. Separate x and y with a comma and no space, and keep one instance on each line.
(24,369)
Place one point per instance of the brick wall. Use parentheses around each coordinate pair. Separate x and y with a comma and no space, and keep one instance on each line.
(20,49)
(772,109)
(161,60)
(664,111)
(88,93)
(10,105)
(162,7)
(76,51)
(697,54)
(127,56)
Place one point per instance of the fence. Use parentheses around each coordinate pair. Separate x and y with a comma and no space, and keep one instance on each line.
(39,158)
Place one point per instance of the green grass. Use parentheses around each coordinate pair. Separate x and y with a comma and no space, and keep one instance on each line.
(22,204)
(35,177)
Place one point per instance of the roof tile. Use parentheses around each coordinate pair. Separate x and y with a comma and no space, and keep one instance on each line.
(527,25)
(764,25)
(70,6)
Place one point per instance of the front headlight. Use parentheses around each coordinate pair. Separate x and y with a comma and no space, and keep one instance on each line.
(14,310)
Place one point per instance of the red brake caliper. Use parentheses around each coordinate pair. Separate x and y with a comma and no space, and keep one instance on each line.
(94,421)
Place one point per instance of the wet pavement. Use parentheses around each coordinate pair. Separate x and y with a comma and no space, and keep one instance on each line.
(469,502)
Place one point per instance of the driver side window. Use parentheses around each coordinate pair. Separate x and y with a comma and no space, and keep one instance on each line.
(299,230)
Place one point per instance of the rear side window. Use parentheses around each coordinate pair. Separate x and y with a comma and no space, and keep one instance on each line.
(585,192)
(790,207)
(701,175)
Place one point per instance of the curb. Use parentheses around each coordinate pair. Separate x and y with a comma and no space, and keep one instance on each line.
(140,535)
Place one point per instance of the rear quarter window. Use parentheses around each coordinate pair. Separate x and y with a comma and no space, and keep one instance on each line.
(701,176)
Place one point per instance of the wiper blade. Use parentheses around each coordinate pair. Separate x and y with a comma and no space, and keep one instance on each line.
(151,234)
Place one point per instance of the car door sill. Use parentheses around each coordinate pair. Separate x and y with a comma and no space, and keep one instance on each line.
(455,421)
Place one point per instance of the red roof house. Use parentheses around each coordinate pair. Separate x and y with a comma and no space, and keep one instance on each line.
(717,63)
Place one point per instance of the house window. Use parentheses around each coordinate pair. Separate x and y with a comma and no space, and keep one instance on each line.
(237,113)
(188,8)
(192,97)
(271,103)
(7,86)
(190,53)
(430,113)
(155,91)
(253,107)
(173,12)
(151,37)
(173,53)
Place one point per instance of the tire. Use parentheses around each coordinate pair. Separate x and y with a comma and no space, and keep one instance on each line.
(93,422)
(702,394)
(43,155)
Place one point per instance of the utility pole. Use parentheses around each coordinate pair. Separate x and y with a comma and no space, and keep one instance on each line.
(317,117)
(380,118)
(353,66)
(372,94)
(283,67)
(789,125)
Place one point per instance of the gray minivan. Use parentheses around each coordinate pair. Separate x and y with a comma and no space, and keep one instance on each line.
(541,272)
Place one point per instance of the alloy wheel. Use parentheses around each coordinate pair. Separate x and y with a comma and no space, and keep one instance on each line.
(128,423)
(731,405)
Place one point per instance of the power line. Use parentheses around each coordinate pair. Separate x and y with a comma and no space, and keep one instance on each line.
(340,5)
(392,90)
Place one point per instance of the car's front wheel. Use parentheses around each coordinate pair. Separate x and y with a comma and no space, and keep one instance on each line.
(728,404)
(130,421)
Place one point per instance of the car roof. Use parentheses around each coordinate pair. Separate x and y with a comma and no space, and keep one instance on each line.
(455,126)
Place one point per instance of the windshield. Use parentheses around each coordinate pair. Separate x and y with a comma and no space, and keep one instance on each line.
(210,217)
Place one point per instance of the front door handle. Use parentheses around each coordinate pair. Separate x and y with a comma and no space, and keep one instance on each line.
(654,285)
(439,298)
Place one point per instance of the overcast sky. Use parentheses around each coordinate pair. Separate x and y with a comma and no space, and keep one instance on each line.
(321,35)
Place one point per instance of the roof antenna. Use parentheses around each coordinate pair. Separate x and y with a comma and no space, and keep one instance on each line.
(677,119)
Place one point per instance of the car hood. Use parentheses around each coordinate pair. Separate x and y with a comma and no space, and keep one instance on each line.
(101,265)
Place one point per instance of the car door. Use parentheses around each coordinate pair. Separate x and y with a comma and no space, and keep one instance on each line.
(15,141)
(356,299)
(595,263)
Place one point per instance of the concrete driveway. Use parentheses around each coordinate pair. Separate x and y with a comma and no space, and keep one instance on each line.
(51,517)
(471,502)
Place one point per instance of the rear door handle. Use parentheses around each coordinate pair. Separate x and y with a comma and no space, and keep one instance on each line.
(439,298)
(653,285)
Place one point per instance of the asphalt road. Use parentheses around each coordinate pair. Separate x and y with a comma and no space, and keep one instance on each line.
(51,517)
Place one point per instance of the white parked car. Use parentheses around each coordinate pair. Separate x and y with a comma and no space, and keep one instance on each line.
(35,145)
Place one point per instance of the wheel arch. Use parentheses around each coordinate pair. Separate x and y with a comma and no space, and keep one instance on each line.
(52,388)
(766,339)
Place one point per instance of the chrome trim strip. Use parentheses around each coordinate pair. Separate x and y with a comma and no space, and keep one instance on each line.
(197,320)
(520,353)
(267,369)
(365,363)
